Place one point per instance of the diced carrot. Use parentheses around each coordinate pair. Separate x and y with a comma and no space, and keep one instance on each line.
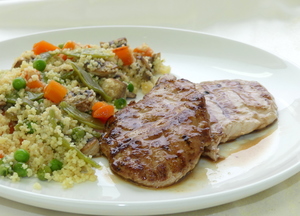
(43,46)
(102,111)
(70,45)
(63,56)
(55,92)
(35,84)
(98,104)
(144,50)
(1,155)
(11,126)
(125,54)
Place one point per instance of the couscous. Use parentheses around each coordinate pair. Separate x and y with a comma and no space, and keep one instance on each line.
(55,100)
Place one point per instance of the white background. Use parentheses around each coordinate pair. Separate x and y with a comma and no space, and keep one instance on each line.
(273,25)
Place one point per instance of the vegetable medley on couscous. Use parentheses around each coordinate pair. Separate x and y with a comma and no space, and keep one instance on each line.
(55,100)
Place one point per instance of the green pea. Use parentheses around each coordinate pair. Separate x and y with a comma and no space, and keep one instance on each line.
(42,172)
(55,165)
(21,155)
(39,64)
(19,169)
(77,133)
(61,45)
(19,83)
(130,87)
(120,103)
(5,169)
(96,134)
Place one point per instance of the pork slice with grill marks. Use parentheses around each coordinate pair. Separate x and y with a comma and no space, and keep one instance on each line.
(156,141)
(236,107)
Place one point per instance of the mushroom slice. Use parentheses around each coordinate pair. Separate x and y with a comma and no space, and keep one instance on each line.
(130,94)
(115,43)
(104,69)
(114,88)
(92,147)
(18,61)
(81,99)
(144,62)
(2,103)
(118,42)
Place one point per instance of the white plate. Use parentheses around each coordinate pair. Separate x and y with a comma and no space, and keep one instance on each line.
(254,163)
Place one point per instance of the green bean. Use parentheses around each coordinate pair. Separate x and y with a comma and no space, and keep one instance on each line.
(95,53)
(68,146)
(30,128)
(67,75)
(81,116)
(12,97)
(44,77)
(35,96)
(88,81)
(79,154)
(27,102)
(52,118)
(45,56)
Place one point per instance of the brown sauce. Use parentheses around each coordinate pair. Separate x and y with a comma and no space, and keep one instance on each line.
(240,153)
(247,141)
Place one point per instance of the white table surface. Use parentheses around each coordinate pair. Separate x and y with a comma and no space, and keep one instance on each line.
(273,25)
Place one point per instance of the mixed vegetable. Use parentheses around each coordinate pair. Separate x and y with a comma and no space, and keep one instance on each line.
(87,83)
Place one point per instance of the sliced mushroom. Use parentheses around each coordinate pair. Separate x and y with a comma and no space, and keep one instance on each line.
(92,147)
(114,88)
(18,62)
(118,42)
(156,56)
(120,76)
(144,62)
(130,94)
(2,103)
(82,99)
(147,75)
(145,67)
(114,43)
(104,69)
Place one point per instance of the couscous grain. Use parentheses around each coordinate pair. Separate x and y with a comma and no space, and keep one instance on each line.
(48,127)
